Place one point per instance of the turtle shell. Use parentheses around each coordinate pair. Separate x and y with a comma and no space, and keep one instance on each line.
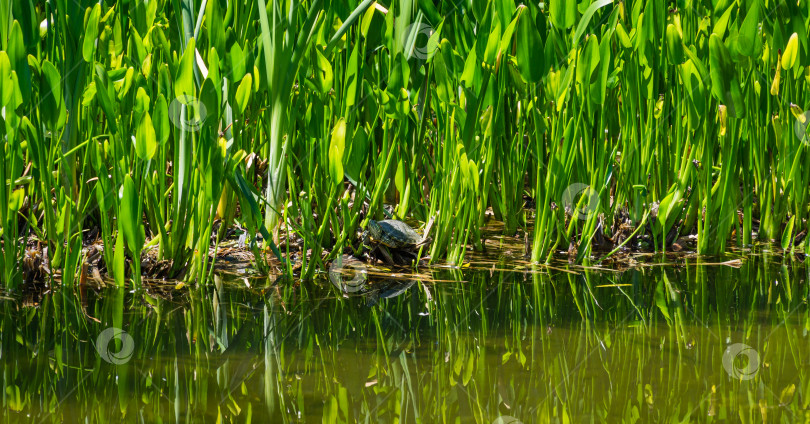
(393,233)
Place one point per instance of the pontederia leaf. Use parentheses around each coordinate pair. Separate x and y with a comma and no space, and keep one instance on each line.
(791,52)
(184,78)
(674,45)
(52,103)
(130,216)
(161,120)
(6,86)
(145,140)
(243,93)
(725,87)
(529,46)
(90,34)
(749,30)
(336,149)
(563,13)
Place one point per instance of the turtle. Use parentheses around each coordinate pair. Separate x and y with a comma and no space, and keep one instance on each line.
(396,235)
(392,233)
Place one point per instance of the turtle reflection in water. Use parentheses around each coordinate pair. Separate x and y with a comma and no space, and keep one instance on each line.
(377,290)
(393,241)
(356,282)
(388,289)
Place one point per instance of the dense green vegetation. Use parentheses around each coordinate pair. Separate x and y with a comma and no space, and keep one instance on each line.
(159,127)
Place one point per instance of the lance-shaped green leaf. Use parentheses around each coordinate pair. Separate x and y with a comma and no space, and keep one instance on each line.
(184,79)
(787,235)
(529,47)
(588,62)
(16,200)
(791,52)
(119,257)
(506,39)
(493,42)
(236,60)
(725,85)
(563,13)
(401,176)
(145,140)
(90,34)
(599,82)
(746,41)
(52,106)
(104,98)
(479,9)
(358,154)
(161,119)
(400,74)
(129,215)
(624,39)
(444,86)
(208,113)
(336,148)
(243,93)
(674,45)
(214,23)
(322,71)
(6,86)
(18,56)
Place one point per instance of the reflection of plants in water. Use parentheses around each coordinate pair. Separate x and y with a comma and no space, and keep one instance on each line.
(537,347)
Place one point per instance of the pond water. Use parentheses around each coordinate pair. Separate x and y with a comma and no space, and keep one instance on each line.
(682,342)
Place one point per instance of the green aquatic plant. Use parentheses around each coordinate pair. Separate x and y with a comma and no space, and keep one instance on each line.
(159,129)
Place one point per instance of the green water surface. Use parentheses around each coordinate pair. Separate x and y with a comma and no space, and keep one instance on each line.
(684,342)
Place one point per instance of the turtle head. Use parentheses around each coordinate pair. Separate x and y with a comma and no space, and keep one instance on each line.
(371,232)
(374,230)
